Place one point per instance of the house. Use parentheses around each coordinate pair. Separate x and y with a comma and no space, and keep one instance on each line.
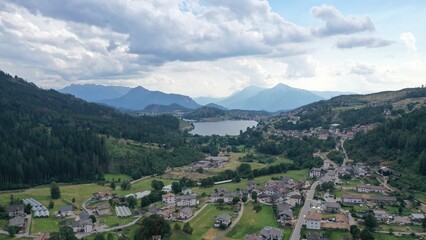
(294,199)
(85,226)
(353,199)
(185,213)
(186,200)
(18,223)
(316,172)
(16,210)
(223,219)
(102,196)
(166,213)
(331,207)
(186,190)
(313,220)
(381,216)
(271,233)
(284,211)
(167,188)
(103,210)
(383,199)
(65,211)
(341,222)
(169,198)
(370,188)
(326,164)
(251,185)
(83,215)
(224,194)
(417,217)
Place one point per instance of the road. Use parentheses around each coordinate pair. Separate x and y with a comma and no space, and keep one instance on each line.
(79,236)
(301,219)
(222,234)
(201,209)
(344,152)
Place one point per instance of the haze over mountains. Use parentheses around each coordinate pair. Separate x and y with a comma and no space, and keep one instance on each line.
(278,98)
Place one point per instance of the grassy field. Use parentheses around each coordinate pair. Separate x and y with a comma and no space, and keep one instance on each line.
(201,224)
(252,222)
(80,192)
(335,235)
(122,177)
(142,186)
(386,236)
(295,174)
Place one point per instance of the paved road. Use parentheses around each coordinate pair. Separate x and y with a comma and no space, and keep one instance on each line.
(344,152)
(301,219)
(222,234)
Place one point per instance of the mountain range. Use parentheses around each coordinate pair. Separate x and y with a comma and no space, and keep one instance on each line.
(278,98)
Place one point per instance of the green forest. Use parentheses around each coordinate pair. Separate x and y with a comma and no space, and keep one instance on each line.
(48,136)
(401,141)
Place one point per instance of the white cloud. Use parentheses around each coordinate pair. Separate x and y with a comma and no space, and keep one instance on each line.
(161,31)
(301,67)
(336,23)
(409,40)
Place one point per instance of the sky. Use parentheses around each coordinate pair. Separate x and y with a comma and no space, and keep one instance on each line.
(216,47)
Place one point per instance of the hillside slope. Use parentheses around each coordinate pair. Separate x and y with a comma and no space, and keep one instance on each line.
(46,135)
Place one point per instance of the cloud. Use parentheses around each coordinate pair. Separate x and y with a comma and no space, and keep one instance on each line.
(161,31)
(409,40)
(368,42)
(336,23)
(362,69)
(301,67)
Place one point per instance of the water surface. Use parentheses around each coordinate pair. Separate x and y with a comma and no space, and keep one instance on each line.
(222,128)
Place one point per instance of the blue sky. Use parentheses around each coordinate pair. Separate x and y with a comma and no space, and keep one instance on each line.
(216,47)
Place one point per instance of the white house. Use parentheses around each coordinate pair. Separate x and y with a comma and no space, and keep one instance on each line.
(313,220)
(167,188)
(316,172)
(82,226)
(370,188)
(353,199)
(169,198)
(326,164)
(65,211)
(186,190)
(186,200)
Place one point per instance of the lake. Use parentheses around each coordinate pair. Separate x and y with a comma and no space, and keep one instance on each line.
(222,128)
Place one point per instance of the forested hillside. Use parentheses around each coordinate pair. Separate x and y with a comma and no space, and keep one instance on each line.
(46,135)
(354,109)
(401,141)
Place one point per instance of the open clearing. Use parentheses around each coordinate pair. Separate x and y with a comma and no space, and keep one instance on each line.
(252,222)
(202,223)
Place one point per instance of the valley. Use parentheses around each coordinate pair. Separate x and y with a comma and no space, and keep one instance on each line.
(315,170)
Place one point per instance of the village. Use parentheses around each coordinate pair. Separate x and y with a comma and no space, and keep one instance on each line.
(334,197)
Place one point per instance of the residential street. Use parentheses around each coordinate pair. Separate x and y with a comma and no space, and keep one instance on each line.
(301,219)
